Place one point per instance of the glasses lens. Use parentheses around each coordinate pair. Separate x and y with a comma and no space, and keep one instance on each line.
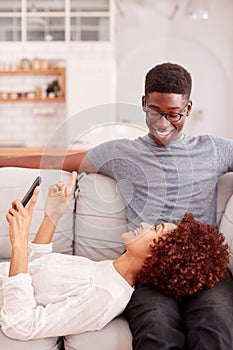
(171,117)
(174,117)
(153,114)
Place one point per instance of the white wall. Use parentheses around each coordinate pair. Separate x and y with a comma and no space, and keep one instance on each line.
(102,74)
(146,36)
(91,84)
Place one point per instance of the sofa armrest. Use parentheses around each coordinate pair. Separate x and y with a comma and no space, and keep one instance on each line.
(14,182)
(226,227)
(224,192)
(225,211)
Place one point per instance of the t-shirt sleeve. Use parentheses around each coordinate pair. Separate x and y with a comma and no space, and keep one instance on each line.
(224,149)
(102,157)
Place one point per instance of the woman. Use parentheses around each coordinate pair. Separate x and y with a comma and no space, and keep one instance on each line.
(50,294)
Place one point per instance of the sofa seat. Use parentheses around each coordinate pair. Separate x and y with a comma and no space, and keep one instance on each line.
(37,344)
(115,336)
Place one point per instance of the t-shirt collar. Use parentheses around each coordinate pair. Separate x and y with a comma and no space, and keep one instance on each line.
(149,140)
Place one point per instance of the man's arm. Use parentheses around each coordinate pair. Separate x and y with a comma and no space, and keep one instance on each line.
(72,162)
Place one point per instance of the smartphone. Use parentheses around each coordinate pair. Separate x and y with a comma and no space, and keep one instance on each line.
(29,193)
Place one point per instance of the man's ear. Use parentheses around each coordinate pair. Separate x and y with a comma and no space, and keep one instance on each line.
(189,108)
(143,101)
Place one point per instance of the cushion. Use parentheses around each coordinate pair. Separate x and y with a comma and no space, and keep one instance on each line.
(224,192)
(37,344)
(14,182)
(115,336)
(226,227)
(100,218)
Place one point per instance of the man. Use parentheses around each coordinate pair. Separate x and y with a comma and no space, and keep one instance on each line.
(161,176)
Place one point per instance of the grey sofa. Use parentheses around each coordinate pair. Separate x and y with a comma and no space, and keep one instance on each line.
(91,228)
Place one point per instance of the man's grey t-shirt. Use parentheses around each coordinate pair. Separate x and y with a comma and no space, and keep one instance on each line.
(161,183)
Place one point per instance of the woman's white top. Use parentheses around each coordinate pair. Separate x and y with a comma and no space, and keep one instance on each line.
(60,295)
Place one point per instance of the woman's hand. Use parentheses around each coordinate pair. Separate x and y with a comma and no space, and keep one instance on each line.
(58,199)
(19,219)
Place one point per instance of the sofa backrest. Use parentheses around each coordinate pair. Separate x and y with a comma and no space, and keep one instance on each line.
(100,217)
(14,182)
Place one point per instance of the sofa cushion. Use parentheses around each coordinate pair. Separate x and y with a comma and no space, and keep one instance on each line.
(14,182)
(100,218)
(226,227)
(115,336)
(224,192)
(37,344)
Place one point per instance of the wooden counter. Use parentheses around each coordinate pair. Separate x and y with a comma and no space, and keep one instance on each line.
(29,151)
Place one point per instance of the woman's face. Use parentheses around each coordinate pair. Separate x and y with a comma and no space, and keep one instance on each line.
(140,239)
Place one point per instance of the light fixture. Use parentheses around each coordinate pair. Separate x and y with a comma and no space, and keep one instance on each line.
(197,10)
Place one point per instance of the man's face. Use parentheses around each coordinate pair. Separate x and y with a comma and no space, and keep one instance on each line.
(163,130)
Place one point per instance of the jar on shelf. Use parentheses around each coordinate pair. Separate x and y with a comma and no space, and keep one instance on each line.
(45,64)
(36,63)
(13,95)
(38,92)
(25,64)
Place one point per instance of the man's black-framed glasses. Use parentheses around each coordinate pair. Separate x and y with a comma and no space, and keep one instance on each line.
(171,117)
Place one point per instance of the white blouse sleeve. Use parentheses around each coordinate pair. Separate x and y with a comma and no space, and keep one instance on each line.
(21,318)
(37,250)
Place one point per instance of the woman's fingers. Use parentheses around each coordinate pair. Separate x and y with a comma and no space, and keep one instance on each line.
(16,204)
(18,208)
(14,209)
(10,218)
(71,183)
(32,201)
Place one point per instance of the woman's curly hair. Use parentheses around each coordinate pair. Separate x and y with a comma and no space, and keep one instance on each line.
(188,259)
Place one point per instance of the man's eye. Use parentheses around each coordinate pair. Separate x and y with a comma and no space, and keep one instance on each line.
(173,116)
(156,114)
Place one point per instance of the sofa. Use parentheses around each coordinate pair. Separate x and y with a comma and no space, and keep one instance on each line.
(91,227)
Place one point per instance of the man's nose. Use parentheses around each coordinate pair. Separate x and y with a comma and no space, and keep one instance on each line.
(163,123)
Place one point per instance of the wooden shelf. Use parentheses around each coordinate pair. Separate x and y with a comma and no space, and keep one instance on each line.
(55,71)
(27,99)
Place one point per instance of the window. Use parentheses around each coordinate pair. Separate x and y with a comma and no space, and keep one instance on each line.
(60,20)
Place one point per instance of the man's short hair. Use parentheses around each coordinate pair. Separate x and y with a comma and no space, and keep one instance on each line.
(168,78)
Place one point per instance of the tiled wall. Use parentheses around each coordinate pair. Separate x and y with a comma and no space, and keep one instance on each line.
(30,124)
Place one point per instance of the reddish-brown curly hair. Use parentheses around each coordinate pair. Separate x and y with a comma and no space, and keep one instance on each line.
(188,259)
